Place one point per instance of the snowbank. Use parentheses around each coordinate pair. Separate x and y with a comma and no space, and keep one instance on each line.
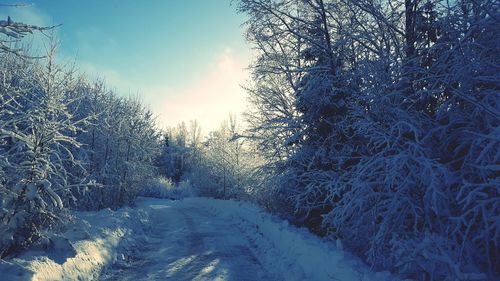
(94,237)
(292,253)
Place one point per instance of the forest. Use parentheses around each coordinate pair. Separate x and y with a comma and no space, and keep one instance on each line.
(373,122)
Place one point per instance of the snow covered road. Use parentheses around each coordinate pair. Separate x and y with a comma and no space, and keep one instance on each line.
(208,239)
(189,243)
(189,239)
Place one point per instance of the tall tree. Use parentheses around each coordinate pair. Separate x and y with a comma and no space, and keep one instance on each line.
(36,130)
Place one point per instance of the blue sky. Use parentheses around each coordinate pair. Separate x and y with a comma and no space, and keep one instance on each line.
(185,58)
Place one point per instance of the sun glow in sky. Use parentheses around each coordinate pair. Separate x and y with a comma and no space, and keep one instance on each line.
(186,59)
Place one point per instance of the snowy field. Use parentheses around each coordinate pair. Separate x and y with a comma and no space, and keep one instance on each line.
(191,239)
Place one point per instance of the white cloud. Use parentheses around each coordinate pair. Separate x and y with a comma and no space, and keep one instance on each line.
(209,99)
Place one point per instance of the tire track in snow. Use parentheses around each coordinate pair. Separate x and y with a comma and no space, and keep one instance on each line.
(190,244)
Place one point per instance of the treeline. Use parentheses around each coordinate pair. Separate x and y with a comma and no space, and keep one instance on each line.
(65,142)
(220,164)
(379,122)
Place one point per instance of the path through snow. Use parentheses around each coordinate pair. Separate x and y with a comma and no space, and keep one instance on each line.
(189,243)
(190,239)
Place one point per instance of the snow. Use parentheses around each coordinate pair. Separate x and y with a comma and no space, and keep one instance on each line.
(186,242)
(95,238)
(209,239)
(189,239)
(288,252)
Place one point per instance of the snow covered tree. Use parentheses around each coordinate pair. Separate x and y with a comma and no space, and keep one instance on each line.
(64,142)
(120,146)
(224,163)
(35,132)
(175,158)
(393,130)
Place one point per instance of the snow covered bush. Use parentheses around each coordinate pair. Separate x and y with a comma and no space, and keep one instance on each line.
(395,193)
(164,188)
(182,190)
(157,188)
